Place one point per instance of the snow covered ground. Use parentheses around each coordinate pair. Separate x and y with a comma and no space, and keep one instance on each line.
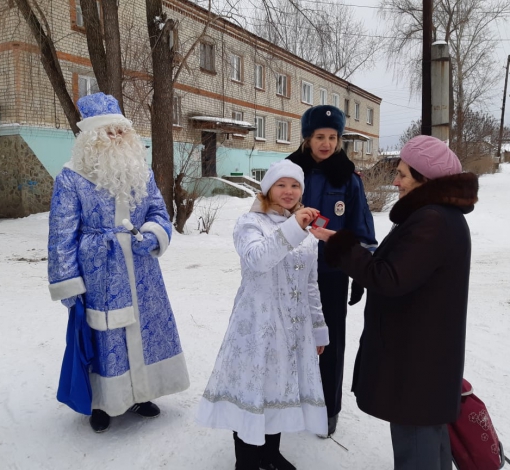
(202,275)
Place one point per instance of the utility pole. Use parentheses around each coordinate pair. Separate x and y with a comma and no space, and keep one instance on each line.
(440,90)
(426,86)
(503,112)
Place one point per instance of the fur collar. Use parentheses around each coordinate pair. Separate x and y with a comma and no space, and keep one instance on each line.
(337,168)
(459,190)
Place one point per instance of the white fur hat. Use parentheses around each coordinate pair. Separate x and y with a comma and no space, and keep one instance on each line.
(282,169)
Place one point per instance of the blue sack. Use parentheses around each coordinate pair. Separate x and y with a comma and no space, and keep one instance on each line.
(74,385)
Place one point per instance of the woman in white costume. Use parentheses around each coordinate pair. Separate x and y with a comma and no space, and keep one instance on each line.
(266,379)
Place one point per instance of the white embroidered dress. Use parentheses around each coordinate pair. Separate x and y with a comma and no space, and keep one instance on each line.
(266,378)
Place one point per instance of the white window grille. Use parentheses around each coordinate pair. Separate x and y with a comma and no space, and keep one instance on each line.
(258,173)
(282,131)
(177,111)
(281,85)
(368,147)
(370,116)
(87,85)
(323,96)
(306,92)
(356,111)
(336,100)
(357,146)
(236,63)
(259,76)
(237,115)
(260,123)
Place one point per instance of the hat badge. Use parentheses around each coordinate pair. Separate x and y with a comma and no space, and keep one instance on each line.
(328,113)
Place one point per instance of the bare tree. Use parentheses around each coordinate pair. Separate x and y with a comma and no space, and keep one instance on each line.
(327,35)
(40,29)
(467,26)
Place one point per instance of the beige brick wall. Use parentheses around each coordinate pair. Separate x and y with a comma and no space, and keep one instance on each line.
(29,99)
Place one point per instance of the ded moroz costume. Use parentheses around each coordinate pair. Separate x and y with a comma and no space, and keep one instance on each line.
(137,351)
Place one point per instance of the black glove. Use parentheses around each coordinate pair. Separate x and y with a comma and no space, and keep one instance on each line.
(356,292)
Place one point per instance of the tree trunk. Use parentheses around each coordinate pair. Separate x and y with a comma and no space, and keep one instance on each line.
(162,102)
(113,52)
(51,64)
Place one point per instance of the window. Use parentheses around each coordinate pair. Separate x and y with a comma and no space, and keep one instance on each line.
(86,85)
(368,147)
(260,132)
(323,96)
(237,68)
(177,112)
(356,111)
(370,116)
(357,146)
(237,115)
(306,92)
(346,107)
(258,173)
(207,57)
(336,100)
(259,76)
(282,85)
(79,14)
(282,131)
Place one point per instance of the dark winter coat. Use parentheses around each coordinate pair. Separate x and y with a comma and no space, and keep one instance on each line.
(410,361)
(334,181)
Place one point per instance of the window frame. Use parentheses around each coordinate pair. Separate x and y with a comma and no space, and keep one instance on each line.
(336,100)
(347,103)
(357,146)
(323,93)
(204,48)
(310,85)
(236,69)
(262,77)
(370,116)
(368,147)
(357,110)
(88,79)
(286,125)
(286,85)
(177,104)
(262,172)
(262,137)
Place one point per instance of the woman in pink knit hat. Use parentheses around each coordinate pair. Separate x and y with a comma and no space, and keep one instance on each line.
(410,361)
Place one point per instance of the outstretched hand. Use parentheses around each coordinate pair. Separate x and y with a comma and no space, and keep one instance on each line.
(322,233)
(305,216)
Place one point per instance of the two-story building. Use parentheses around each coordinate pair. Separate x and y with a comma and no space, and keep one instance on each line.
(239,97)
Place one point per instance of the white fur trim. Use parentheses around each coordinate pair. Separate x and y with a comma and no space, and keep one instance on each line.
(68,288)
(293,232)
(115,395)
(161,235)
(94,122)
(103,321)
(96,320)
(321,336)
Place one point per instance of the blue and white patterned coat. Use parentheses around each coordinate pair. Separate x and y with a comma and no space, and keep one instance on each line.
(266,378)
(138,355)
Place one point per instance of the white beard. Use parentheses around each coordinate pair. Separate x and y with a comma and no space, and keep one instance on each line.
(116,164)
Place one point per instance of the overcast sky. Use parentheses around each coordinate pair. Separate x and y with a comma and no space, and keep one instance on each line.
(398,108)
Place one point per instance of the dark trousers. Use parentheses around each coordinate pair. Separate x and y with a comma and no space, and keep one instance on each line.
(421,447)
(333,287)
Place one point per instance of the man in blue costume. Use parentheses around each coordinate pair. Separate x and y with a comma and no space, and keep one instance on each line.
(137,351)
